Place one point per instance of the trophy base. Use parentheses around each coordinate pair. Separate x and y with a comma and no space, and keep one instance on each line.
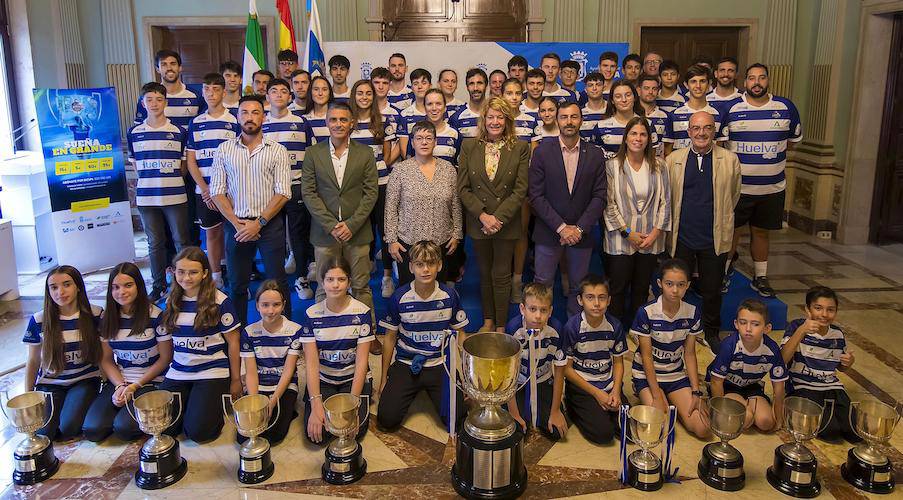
(253,470)
(793,478)
(644,478)
(724,475)
(32,469)
(160,470)
(344,470)
(489,470)
(868,477)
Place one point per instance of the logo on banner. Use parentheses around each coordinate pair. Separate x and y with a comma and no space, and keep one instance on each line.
(483,67)
(580,57)
(366,68)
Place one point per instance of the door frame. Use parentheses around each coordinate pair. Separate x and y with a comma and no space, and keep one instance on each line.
(746,45)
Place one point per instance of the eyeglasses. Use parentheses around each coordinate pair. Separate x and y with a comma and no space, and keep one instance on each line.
(193,273)
(707,128)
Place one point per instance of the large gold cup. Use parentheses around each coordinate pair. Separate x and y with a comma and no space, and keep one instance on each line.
(490,362)
(867,468)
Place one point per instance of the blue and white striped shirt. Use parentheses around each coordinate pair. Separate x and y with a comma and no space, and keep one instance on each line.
(562,95)
(610,135)
(679,121)
(548,346)
(409,117)
(401,99)
(591,119)
(525,128)
(453,106)
(317,129)
(342,97)
(669,104)
(250,178)
(658,118)
(201,355)
(448,145)
(592,350)
(668,336)
(76,369)
(136,353)
(181,107)
(363,135)
(465,122)
(815,362)
(269,350)
(337,336)
(742,368)
(290,131)
(158,154)
(205,134)
(530,111)
(718,102)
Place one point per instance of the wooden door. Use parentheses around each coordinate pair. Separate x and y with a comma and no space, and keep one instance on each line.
(203,48)
(455,21)
(887,202)
(683,44)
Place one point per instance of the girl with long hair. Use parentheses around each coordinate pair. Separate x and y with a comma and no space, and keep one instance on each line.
(548,118)
(319,97)
(63,351)
(623,104)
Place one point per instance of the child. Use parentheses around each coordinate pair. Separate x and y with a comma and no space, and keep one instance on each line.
(742,362)
(664,367)
(206,362)
(814,349)
(270,349)
(420,312)
(595,345)
(535,313)
(63,351)
(135,354)
(336,339)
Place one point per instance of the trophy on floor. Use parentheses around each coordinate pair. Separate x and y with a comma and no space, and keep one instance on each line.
(159,464)
(721,465)
(489,457)
(34,457)
(794,469)
(251,415)
(647,430)
(867,468)
(345,461)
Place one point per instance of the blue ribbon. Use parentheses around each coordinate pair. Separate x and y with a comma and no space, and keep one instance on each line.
(622,456)
(417,363)
(670,476)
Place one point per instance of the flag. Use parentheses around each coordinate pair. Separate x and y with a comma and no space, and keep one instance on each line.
(255,59)
(286,27)
(314,60)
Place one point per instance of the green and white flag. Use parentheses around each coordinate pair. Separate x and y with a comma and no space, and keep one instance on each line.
(255,58)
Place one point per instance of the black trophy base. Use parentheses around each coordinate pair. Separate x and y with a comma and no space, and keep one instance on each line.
(32,469)
(877,479)
(724,475)
(344,470)
(256,470)
(796,479)
(490,470)
(645,479)
(162,470)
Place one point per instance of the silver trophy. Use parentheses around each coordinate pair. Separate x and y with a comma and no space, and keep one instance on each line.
(251,415)
(721,465)
(647,430)
(867,468)
(34,457)
(795,467)
(159,463)
(345,462)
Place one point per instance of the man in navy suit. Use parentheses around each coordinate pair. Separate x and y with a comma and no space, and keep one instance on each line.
(568,194)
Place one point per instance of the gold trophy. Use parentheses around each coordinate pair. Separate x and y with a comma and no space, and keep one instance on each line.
(647,430)
(345,462)
(867,468)
(721,465)
(251,415)
(34,457)
(795,467)
(159,463)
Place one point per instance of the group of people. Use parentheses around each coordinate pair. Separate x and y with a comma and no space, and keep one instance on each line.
(307,170)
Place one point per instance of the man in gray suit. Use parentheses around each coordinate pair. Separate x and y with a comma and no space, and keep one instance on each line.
(339,187)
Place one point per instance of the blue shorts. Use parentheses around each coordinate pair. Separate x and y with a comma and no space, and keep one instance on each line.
(668,387)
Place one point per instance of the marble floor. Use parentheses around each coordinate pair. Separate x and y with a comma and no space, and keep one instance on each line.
(414,462)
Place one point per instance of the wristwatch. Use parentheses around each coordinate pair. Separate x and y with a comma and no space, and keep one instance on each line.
(625,232)
(262,221)
(698,393)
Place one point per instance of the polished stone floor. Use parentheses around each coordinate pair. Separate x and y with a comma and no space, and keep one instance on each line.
(415,461)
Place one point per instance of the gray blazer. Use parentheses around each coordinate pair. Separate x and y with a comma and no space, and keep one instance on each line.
(502,197)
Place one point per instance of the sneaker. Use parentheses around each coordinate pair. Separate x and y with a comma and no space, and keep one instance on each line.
(302,288)
(290,263)
(388,287)
(517,292)
(312,271)
(725,284)
(761,285)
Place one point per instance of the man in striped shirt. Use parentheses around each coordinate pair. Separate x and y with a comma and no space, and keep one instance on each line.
(648,87)
(595,105)
(698,81)
(250,183)
(669,98)
(725,89)
(421,80)
(182,103)
(338,71)
(536,82)
(300,80)
(400,95)
(551,65)
(231,72)
(465,120)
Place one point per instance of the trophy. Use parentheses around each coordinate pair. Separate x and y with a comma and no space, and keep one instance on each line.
(345,462)
(159,463)
(647,430)
(721,465)
(867,468)
(34,457)
(794,469)
(251,414)
(489,457)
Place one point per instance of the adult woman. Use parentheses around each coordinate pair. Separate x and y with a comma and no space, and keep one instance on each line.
(422,204)
(492,184)
(623,104)
(448,140)
(637,214)
(320,97)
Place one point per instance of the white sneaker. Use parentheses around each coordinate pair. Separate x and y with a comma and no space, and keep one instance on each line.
(312,271)
(302,288)
(388,287)
(290,263)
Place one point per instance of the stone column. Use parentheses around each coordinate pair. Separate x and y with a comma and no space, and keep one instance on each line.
(780,42)
(73,56)
(535,21)
(120,56)
(374,21)
(614,18)
(338,18)
(567,25)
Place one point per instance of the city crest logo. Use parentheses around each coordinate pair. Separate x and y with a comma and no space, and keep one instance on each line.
(579,56)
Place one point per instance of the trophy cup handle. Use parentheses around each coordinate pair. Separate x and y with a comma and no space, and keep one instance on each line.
(830,416)
(358,426)
(898,409)
(48,395)
(227,397)
(128,408)
(278,410)
(4,398)
(177,395)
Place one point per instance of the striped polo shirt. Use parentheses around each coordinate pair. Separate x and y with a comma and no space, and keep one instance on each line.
(344,97)
(591,119)
(421,323)
(593,350)
(233,109)
(742,368)
(658,118)
(401,99)
(534,112)
(610,135)
(679,120)
(718,102)
(205,134)
(201,355)
(408,117)
(668,336)
(562,95)
(465,122)
(316,128)
(295,109)
(75,369)
(448,145)
(158,154)
(548,349)
(525,128)
(453,106)
(337,336)
(136,353)
(290,131)
(759,136)
(181,107)
(669,104)
(815,362)
(390,113)
(363,135)
(269,350)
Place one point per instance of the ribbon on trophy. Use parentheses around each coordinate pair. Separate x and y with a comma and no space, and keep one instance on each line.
(668,447)
(622,452)
(451,355)
(533,335)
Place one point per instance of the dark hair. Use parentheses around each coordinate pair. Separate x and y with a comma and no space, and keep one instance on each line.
(648,151)
(595,76)
(698,70)
(149,87)
(275,82)
(53,356)
(611,109)
(668,64)
(264,73)
(335,262)
(535,73)
(339,105)
(269,285)
(574,65)
(728,59)
(109,323)
(287,55)
(608,56)
(421,73)
(648,78)
(207,314)
(472,72)
(251,97)
(424,126)
(821,292)
(702,59)
(632,57)
(310,93)
(757,65)
(214,79)
(163,54)
(447,70)
(376,117)
(754,306)
(230,66)
(398,55)
(504,75)
(299,72)
(593,280)
(512,81)
(435,91)
(425,251)
(553,100)
(518,61)
(674,265)
(340,61)
(380,72)
(551,55)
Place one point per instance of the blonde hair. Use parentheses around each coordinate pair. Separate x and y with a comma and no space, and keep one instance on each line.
(425,251)
(538,291)
(509,139)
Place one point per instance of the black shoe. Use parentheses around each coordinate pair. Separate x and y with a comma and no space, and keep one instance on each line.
(761,285)
(713,340)
(725,284)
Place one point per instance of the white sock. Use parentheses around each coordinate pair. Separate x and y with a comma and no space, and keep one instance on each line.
(761,268)
(517,279)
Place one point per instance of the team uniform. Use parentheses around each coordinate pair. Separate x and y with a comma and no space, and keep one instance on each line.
(742,371)
(421,325)
(669,104)
(344,97)
(448,145)
(401,99)
(232,107)
(316,128)
(296,109)
(591,118)
(668,336)
(592,352)
(205,134)
(525,128)
(363,135)
(718,102)
(465,122)
(610,134)
(408,118)
(679,121)
(658,118)
(453,106)
(534,112)
(562,95)
(74,388)
(759,135)
(181,107)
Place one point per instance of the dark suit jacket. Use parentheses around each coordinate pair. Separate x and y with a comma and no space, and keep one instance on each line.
(502,197)
(323,197)
(549,196)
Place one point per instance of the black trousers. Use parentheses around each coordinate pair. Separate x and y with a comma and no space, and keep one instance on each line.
(402,387)
(202,407)
(240,263)
(597,424)
(287,413)
(404,267)
(711,273)
(70,405)
(298,226)
(839,425)
(327,390)
(544,393)
(629,277)
(105,418)
(378,223)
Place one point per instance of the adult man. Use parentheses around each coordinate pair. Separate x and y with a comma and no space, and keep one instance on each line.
(570,71)
(300,80)
(338,71)
(421,81)
(726,90)
(608,66)
(551,65)
(250,183)
(339,186)
(631,68)
(288,63)
(380,78)
(231,72)
(259,81)
(647,87)
(595,105)
(567,189)
(651,63)
(761,128)
(536,83)
(496,79)
(400,95)
(705,187)
(182,103)
(697,80)
(448,84)
(465,120)
(669,97)
(517,68)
